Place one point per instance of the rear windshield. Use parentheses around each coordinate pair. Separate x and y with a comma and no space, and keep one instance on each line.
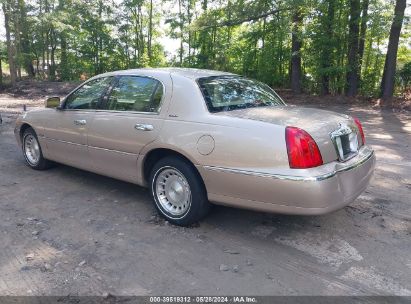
(227,93)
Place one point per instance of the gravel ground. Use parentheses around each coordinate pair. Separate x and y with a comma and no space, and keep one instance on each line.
(69,232)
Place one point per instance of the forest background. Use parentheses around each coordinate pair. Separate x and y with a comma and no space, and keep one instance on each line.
(321,47)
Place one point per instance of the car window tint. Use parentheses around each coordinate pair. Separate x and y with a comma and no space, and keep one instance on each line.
(133,93)
(88,95)
(226,93)
(157,96)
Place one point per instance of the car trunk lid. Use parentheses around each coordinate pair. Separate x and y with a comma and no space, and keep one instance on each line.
(322,125)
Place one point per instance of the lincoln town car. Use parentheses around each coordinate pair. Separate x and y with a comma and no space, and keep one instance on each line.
(198,137)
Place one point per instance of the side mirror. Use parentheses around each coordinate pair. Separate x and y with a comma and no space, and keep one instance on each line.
(53,102)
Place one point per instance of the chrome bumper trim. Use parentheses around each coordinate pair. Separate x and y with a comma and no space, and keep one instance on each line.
(293,177)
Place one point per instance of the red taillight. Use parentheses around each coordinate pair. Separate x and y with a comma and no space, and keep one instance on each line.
(302,149)
(359,126)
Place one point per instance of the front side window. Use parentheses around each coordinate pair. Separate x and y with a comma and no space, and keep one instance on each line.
(227,93)
(88,95)
(136,94)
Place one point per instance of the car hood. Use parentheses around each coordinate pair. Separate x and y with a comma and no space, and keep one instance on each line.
(318,123)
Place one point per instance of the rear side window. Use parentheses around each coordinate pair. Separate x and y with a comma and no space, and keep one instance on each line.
(227,93)
(87,96)
(136,94)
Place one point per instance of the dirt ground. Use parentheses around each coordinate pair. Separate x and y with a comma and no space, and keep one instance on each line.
(69,232)
(32,94)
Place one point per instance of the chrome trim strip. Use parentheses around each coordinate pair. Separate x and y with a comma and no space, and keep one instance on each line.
(64,142)
(293,177)
(110,150)
(110,111)
(127,112)
(92,147)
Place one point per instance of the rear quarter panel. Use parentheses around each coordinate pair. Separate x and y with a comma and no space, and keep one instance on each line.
(234,144)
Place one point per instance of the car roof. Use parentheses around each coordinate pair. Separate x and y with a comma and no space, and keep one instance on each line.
(185,72)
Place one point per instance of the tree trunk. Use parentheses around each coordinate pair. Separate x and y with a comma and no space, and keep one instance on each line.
(53,64)
(28,51)
(150,32)
(64,73)
(95,52)
(43,44)
(38,63)
(52,56)
(296,52)
(388,77)
(141,35)
(353,36)
(25,50)
(100,38)
(16,20)
(363,31)
(127,49)
(203,55)
(180,19)
(327,48)
(63,63)
(10,47)
(48,53)
(136,35)
(189,30)
(1,73)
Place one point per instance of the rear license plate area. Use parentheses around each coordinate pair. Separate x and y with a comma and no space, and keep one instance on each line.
(346,146)
(345,141)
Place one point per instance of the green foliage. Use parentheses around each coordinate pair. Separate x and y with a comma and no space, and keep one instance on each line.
(405,75)
(70,39)
(3,50)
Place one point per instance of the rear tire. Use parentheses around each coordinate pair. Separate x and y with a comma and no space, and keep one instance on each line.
(32,151)
(178,191)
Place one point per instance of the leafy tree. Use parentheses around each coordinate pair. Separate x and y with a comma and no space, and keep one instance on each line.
(353,52)
(405,74)
(388,78)
(317,46)
(3,57)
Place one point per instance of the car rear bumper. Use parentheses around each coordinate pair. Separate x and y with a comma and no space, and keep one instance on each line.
(313,191)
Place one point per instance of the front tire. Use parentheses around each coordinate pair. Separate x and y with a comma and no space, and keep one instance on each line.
(178,191)
(32,151)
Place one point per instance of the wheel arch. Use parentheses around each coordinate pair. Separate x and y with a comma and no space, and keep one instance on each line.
(23,128)
(154,155)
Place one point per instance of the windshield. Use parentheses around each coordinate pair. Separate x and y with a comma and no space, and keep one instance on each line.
(227,93)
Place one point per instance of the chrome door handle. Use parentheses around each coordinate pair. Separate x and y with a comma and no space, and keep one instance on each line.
(80,122)
(144,127)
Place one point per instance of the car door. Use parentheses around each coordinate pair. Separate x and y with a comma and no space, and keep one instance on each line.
(66,131)
(129,120)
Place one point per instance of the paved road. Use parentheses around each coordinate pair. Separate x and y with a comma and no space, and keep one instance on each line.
(66,231)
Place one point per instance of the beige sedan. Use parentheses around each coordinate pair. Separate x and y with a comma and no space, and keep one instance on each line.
(198,136)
